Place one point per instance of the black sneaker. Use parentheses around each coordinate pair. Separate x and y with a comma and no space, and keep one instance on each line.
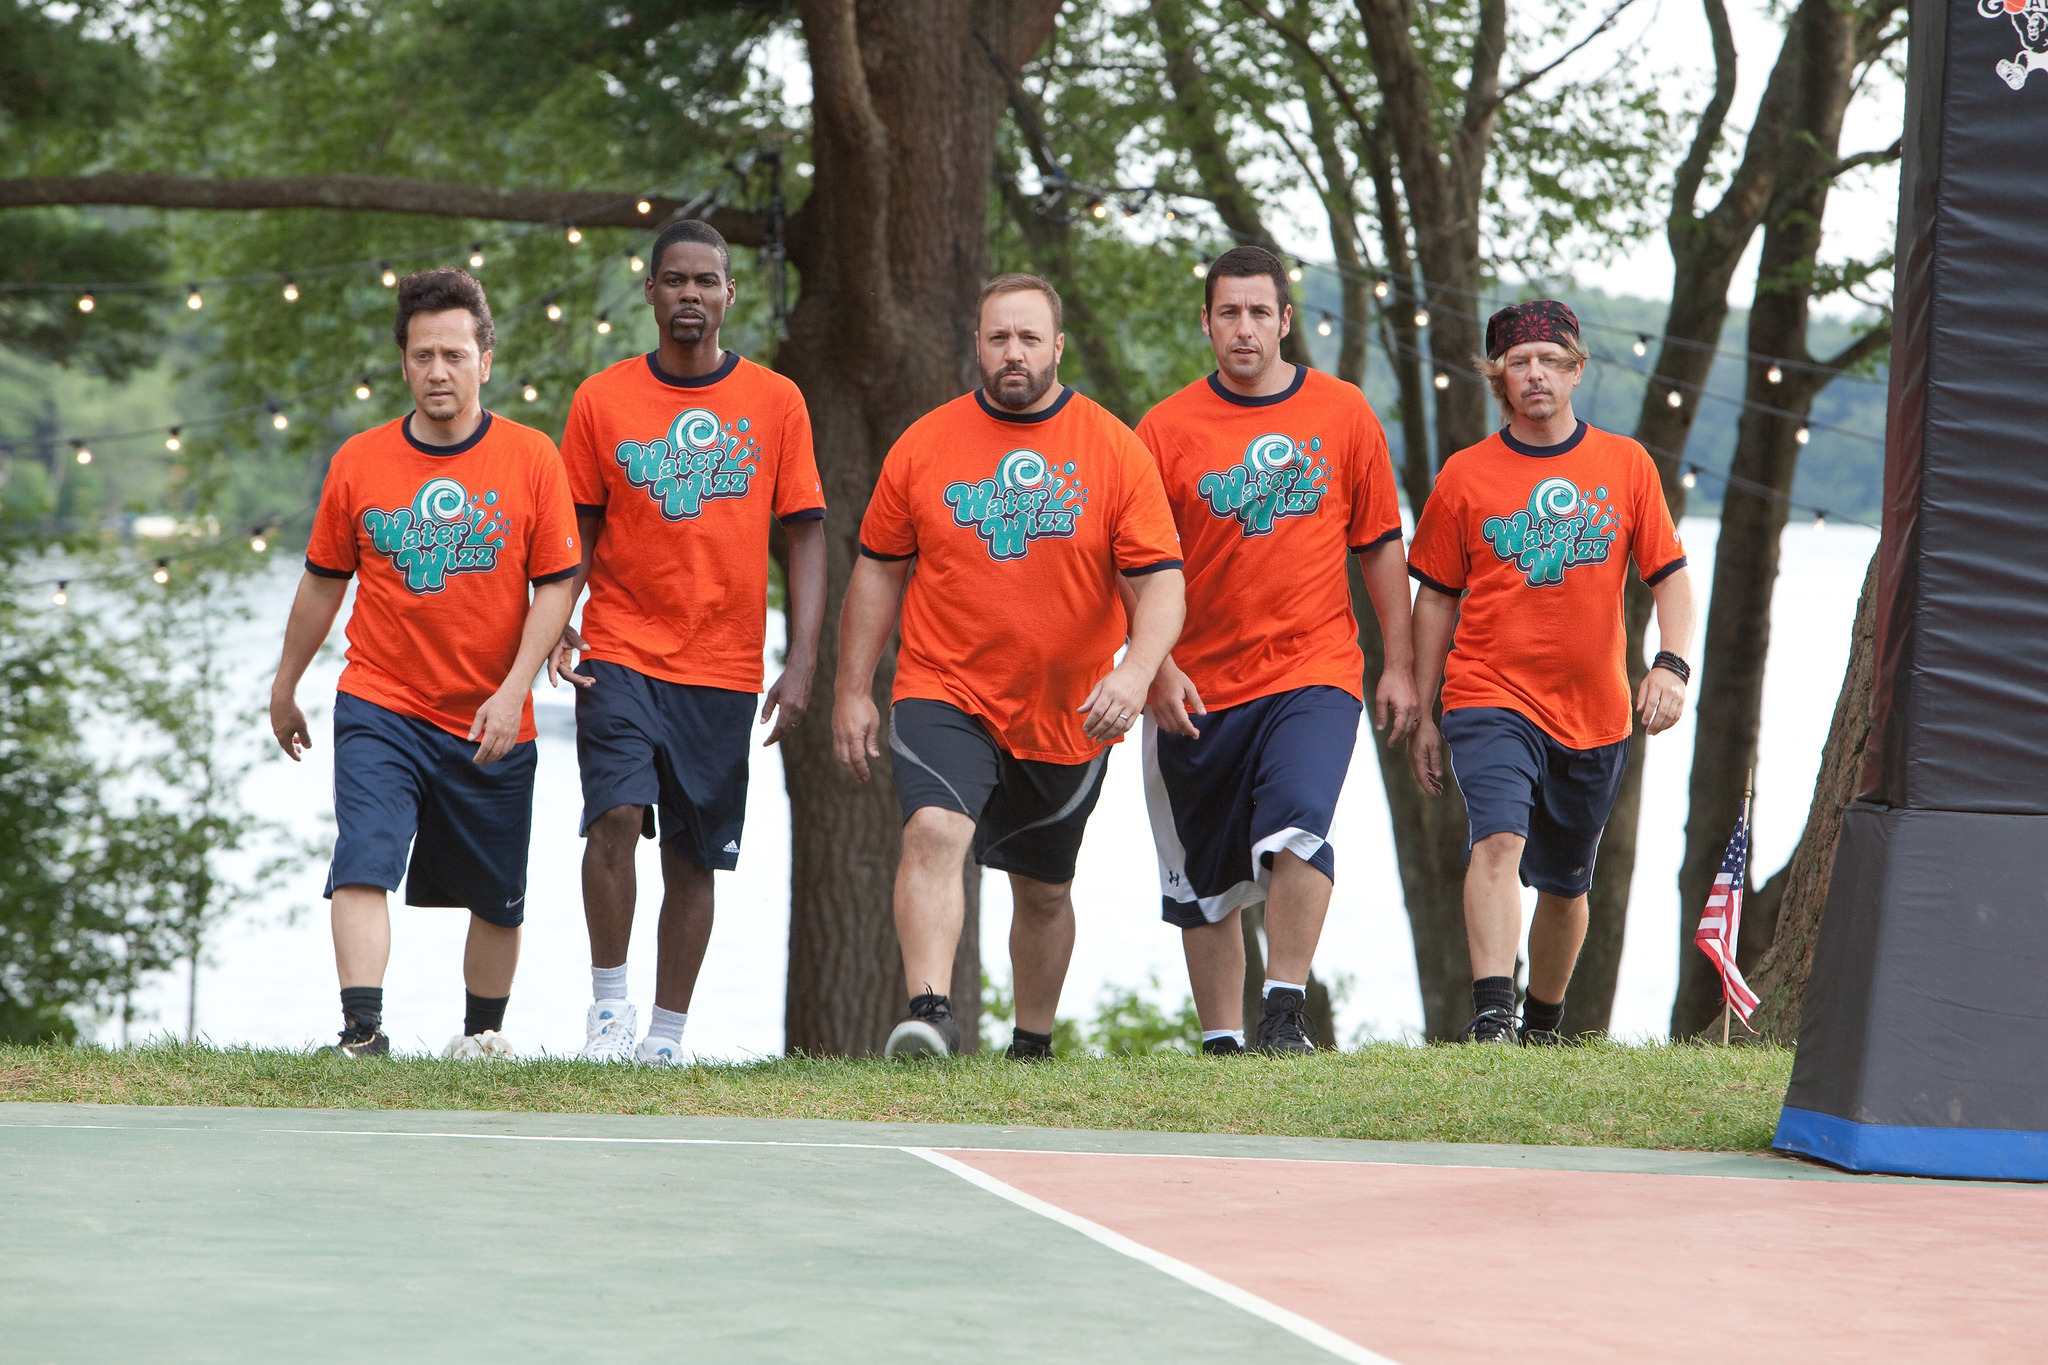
(1540,1037)
(1222,1047)
(1024,1049)
(1490,1026)
(357,1041)
(928,1030)
(1283,1023)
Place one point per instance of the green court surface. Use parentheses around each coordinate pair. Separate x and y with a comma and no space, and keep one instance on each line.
(177,1234)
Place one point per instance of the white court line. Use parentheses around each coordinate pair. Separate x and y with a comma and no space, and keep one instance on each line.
(1313,1333)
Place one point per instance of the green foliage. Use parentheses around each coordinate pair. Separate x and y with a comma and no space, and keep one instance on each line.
(121,333)
(1126,1024)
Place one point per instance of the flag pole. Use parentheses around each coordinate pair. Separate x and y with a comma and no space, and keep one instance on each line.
(1727,1005)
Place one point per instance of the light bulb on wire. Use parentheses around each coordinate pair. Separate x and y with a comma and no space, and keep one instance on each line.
(1775,374)
(646,206)
(85,303)
(291,290)
(575,235)
(1642,346)
(1201,269)
(1443,381)
(60,597)
(277,417)
(1802,435)
(1379,291)
(604,325)
(1294,273)
(1323,327)
(257,541)
(1422,317)
(83,455)
(1099,209)
(1690,478)
(1674,399)
(387,276)
(476,255)
(634,263)
(172,441)
(1820,521)
(163,571)
(192,299)
(363,388)
(528,391)
(554,312)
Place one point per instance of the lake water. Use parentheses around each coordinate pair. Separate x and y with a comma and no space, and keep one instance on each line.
(269,980)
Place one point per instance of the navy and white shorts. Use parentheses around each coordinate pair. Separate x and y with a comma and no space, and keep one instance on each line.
(402,784)
(1264,776)
(673,747)
(1518,780)
(1028,815)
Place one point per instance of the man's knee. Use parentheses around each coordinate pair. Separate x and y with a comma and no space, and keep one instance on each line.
(1498,852)
(934,834)
(616,832)
(1040,900)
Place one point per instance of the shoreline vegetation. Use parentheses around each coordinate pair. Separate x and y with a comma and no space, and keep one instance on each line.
(1685,1097)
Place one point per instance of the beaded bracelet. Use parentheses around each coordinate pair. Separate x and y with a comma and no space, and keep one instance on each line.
(1672,663)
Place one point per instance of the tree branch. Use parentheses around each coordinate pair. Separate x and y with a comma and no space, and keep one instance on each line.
(381,194)
(1859,350)
(1540,72)
(1685,184)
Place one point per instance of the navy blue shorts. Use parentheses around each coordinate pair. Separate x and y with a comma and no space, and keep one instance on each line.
(1028,815)
(1518,780)
(675,747)
(399,784)
(1264,776)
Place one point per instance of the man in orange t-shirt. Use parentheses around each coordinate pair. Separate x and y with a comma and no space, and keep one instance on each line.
(443,517)
(1020,516)
(1534,528)
(1274,471)
(679,461)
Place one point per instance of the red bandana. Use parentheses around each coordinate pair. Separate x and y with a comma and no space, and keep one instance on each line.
(1537,320)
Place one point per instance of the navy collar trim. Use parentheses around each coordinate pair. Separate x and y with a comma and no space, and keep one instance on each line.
(482,429)
(1545,452)
(702,381)
(1042,415)
(1217,387)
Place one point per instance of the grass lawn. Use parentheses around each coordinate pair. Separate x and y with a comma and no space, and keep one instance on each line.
(1680,1097)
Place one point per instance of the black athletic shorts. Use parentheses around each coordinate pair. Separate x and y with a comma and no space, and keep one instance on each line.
(1518,780)
(1028,815)
(666,746)
(410,801)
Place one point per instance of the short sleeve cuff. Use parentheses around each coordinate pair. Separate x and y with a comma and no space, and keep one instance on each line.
(886,559)
(322,571)
(555,577)
(1144,569)
(1652,580)
(807,514)
(590,509)
(1377,541)
(1426,581)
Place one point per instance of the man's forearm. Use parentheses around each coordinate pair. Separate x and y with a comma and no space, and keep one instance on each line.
(1155,626)
(1676,617)
(545,618)
(1436,623)
(589,526)
(806,583)
(314,608)
(866,619)
(1385,570)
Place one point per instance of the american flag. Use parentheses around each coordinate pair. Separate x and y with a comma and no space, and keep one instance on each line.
(1721,922)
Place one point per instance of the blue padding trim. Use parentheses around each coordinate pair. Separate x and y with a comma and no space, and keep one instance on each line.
(1975,1153)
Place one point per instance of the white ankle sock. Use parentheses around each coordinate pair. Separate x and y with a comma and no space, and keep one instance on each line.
(1283,985)
(608,983)
(667,1023)
(1236,1035)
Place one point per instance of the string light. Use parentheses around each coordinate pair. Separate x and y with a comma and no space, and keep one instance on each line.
(1775,374)
(476,255)
(163,571)
(1379,291)
(171,442)
(1443,381)
(1169,215)
(84,455)
(277,417)
(528,391)
(60,597)
(1099,209)
(291,290)
(363,387)
(575,235)
(1642,346)
(604,325)
(1802,435)
(1690,478)
(258,541)
(1422,317)
(645,206)
(554,312)
(388,277)
(1820,521)
(1294,273)
(1675,399)
(1323,327)
(1201,269)
(192,299)
(85,304)
(633,261)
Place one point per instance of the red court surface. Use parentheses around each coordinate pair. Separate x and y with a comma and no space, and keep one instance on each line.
(1428,1264)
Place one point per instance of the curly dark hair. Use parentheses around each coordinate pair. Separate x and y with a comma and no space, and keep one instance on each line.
(442,291)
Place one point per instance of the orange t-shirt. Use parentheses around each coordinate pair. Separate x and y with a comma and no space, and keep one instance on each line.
(443,541)
(1020,524)
(1538,539)
(687,473)
(1268,493)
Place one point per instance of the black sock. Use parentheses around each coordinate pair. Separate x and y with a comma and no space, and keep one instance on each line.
(1494,993)
(481,1012)
(1024,1037)
(1541,1015)
(362,1007)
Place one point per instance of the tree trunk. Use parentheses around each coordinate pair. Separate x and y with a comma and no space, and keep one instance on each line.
(1779,978)
(1830,41)
(892,246)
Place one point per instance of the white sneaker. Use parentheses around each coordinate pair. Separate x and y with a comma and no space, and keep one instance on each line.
(488,1046)
(608,1031)
(659,1052)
